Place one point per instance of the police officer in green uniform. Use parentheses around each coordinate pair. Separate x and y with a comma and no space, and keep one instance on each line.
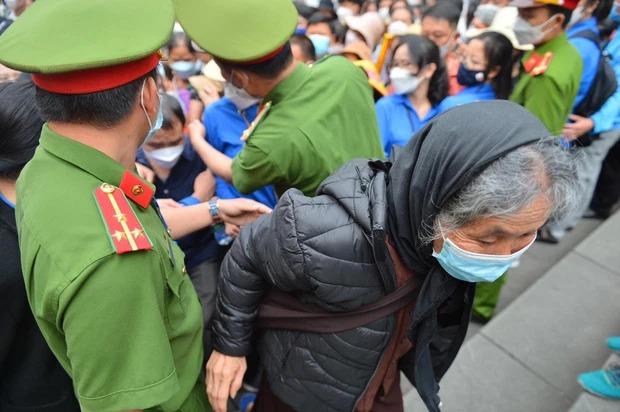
(105,282)
(552,71)
(312,119)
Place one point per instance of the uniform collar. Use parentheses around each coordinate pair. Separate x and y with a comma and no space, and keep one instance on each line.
(98,165)
(289,85)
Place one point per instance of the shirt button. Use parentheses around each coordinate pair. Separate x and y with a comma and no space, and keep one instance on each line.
(166,191)
(137,190)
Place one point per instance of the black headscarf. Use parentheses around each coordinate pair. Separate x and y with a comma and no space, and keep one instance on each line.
(443,158)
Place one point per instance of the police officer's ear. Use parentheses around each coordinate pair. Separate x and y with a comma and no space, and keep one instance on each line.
(559,19)
(150,97)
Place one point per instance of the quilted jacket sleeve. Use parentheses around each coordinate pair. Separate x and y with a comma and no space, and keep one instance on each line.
(266,254)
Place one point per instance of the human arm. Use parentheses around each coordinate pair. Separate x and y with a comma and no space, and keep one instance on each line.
(186,220)
(216,161)
(266,254)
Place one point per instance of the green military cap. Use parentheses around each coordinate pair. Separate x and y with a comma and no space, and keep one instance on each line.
(70,44)
(247,31)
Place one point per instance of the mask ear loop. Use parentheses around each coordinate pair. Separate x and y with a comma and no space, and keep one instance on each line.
(148,119)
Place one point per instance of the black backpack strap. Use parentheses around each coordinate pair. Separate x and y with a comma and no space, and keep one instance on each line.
(588,34)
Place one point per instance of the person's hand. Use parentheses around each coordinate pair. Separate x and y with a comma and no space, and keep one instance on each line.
(232,230)
(208,94)
(224,379)
(241,212)
(204,186)
(579,127)
(168,204)
(197,132)
(145,173)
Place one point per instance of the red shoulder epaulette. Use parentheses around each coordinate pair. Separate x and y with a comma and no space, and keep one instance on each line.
(124,229)
(537,64)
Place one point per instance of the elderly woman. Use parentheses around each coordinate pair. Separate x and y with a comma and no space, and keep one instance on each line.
(376,274)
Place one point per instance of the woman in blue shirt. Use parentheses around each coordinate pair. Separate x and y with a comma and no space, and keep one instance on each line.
(485,71)
(419,80)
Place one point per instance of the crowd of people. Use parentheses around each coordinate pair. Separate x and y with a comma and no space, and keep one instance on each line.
(232,131)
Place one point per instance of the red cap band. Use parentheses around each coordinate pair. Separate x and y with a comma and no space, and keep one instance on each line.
(260,59)
(97,79)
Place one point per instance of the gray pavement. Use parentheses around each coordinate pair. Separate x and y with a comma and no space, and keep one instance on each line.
(554,314)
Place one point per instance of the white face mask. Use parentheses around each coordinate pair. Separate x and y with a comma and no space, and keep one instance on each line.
(351,37)
(343,13)
(398,28)
(528,34)
(403,81)
(167,157)
(240,98)
(384,13)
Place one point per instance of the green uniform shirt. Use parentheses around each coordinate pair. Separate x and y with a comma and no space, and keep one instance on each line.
(550,96)
(320,118)
(127,328)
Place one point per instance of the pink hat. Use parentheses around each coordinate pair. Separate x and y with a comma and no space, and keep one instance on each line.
(370,25)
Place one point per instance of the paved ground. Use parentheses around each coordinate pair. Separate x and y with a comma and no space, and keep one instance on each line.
(517,363)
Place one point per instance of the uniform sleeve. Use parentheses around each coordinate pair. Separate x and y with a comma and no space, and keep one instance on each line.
(255,167)
(266,254)
(114,321)
(544,98)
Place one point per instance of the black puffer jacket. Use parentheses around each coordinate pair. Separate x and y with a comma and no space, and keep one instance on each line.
(330,251)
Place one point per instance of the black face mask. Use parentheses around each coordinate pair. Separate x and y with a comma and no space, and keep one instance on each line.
(466,77)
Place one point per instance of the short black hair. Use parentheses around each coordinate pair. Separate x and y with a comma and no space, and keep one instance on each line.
(444,10)
(318,18)
(424,52)
(602,10)
(554,9)
(306,46)
(100,109)
(171,109)
(20,126)
(268,69)
(498,52)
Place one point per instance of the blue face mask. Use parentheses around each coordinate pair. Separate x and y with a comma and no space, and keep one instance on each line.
(475,267)
(186,69)
(615,16)
(466,77)
(321,44)
(159,120)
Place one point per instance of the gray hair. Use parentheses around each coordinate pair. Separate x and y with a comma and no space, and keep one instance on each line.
(510,184)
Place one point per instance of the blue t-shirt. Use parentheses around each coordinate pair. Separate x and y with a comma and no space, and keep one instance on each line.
(590,55)
(225,125)
(471,94)
(398,120)
(200,246)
